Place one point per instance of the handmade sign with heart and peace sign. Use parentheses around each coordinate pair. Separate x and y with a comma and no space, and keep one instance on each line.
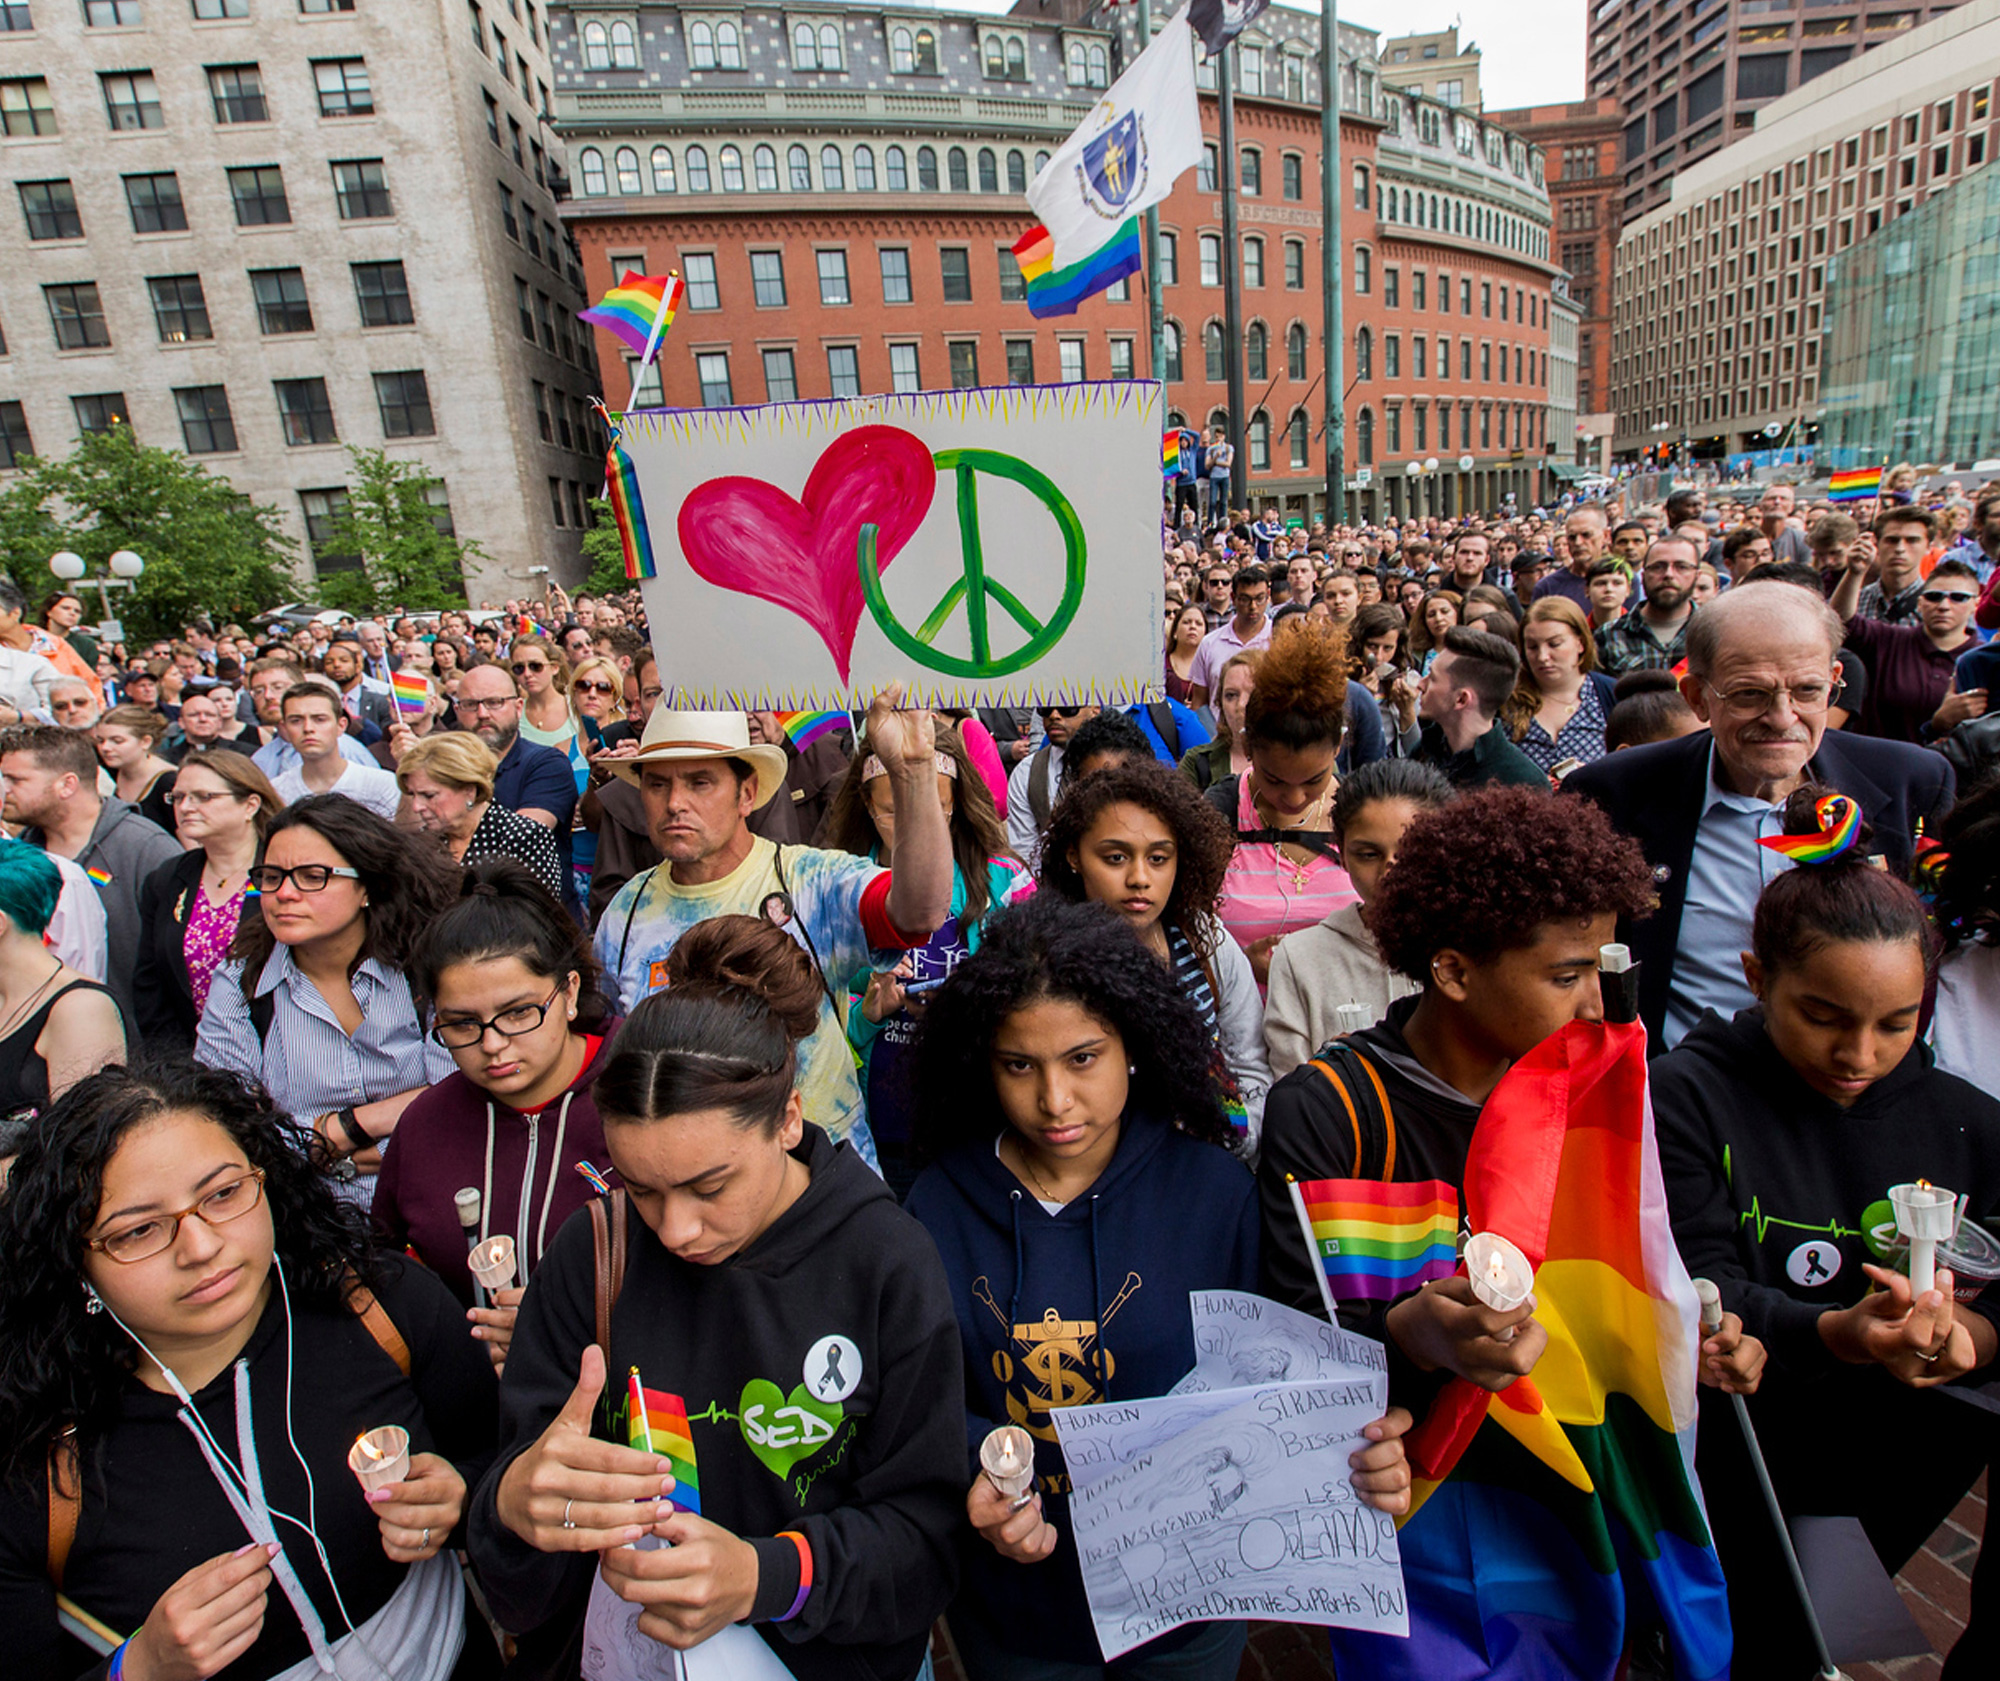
(987,547)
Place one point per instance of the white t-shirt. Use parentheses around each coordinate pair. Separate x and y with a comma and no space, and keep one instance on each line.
(369,785)
(76,932)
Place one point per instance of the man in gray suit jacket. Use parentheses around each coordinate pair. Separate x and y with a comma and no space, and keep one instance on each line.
(365,701)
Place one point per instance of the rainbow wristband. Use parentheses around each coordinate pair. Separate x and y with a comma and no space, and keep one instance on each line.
(805,1574)
(117,1666)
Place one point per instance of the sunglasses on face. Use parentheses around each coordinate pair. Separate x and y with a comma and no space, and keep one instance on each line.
(593,687)
(523,667)
(1955,597)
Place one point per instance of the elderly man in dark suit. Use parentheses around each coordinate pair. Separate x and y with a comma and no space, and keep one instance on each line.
(1761,675)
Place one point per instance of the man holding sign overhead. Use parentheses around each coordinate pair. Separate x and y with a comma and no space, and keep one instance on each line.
(701,776)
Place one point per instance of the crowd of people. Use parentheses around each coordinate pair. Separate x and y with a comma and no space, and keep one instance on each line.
(811,1084)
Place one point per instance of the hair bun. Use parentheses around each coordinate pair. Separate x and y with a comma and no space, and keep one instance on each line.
(1822,826)
(750,955)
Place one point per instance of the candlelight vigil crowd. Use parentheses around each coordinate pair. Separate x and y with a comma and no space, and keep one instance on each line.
(505,1174)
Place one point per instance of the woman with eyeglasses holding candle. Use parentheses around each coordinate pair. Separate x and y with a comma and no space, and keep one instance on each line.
(191,909)
(193,1335)
(449,781)
(314,1002)
(515,1000)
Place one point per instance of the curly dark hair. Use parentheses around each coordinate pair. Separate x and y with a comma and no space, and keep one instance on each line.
(1041,949)
(1482,873)
(61,1367)
(1203,840)
(410,880)
(1301,696)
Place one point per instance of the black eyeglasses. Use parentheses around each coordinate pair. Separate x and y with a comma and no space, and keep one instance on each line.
(307,878)
(509,1023)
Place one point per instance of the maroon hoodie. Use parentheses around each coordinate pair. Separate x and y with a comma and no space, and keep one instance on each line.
(455,1136)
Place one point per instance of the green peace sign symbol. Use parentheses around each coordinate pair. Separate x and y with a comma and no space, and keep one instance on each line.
(973,587)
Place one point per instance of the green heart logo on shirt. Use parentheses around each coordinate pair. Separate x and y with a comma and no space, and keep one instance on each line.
(783,1429)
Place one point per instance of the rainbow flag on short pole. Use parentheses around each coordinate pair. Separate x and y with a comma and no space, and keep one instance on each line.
(413,693)
(804,728)
(1054,291)
(638,310)
(656,1422)
(1855,486)
(1377,1241)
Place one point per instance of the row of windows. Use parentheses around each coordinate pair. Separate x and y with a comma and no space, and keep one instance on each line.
(542,322)
(517,67)
(566,420)
(728,172)
(779,366)
(18,15)
(236,95)
(181,314)
(767,277)
(820,47)
(257,193)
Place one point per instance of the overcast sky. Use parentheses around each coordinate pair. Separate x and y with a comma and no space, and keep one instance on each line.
(1531,50)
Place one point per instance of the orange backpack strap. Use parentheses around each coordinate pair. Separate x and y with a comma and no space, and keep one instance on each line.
(1358,1085)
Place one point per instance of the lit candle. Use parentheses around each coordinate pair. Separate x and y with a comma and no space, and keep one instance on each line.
(380,1457)
(1008,1458)
(1500,1274)
(492,1262)
(1925,1215)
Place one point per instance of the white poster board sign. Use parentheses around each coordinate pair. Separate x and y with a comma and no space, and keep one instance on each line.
(998,546)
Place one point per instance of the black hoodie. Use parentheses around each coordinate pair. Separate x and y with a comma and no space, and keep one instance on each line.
(1770,1184)
(877,1488)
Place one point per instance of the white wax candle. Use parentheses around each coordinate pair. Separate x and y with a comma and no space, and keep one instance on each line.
(1925,1215)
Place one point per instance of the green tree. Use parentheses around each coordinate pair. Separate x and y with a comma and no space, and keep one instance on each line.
(389,531)
(603,552)
(209,549)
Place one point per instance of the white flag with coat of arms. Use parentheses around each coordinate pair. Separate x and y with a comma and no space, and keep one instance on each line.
(1127,154)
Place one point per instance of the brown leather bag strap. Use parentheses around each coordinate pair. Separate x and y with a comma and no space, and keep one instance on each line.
(375,1317)
(65,1503)
(607,1232)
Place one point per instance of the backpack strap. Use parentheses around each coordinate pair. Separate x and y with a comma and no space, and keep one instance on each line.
(625,939)
(1040,805)
(375,1320)
(1358,1085)
(805,928)
(607,1236)
(1167,727)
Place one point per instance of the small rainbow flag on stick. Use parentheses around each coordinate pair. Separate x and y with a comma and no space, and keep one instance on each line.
(638,310)
(1054,291)
(656,1422)
(805,728)
(412,693)
(1855,486)
(1376,1240)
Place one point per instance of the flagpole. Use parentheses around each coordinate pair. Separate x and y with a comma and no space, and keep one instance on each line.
(1335,330)
(1156,308)
(1232,283)
(1312,1250)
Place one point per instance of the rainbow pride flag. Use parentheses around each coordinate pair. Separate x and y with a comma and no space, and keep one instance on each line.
(1054,291)
(1544,1515)
(1855,486)
(638,310)
(804,728)
(656,1422)
(1177,453)
(628,510)
(413,693)
(1377,1241)
(98,874)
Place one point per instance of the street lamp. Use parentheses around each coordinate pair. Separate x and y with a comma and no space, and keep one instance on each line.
(126,567)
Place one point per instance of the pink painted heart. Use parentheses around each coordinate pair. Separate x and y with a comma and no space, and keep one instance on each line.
(747,535)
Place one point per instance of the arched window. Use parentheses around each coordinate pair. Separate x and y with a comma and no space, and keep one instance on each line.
(624,48)
(1253,171)
(1017,60)
(730,159)
(663,171)
(996,57)
(1364,353)
(1406,200)
(1295,78)
(1041,162)
(590,167)
(1218,419)
(799,167)
(1258,437)
(1170,258)
(1253,261)
(1364,438)
(989,171)
(926,53)
(1364,271)
(701,45)
(1295,350)
(1075,66)
(805,47)
(1434,210)
(831,55)
(1017,173)
(1170,350)
(1211,259)
(1360,186)
(898,169)
(927,175)
(728,46)
(696,158)
(864,169)
(1257,351)
(764,165)
(1385,204)
(902,53)
(1100,73)
(1301,439)
(957,171)
(626,163)
(596,47)
(832,173)
(1211,348)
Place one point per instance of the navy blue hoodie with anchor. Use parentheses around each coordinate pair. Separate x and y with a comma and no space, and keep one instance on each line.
(1068,1309)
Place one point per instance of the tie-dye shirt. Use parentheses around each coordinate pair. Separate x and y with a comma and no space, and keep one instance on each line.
(833,903)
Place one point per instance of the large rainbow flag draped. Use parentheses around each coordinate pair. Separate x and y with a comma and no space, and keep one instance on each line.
(656,1422)
(1054,291)
(1548,1517)
(638,310)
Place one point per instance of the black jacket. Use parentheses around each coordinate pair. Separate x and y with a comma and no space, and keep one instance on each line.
(165,1006)
(1654,794)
